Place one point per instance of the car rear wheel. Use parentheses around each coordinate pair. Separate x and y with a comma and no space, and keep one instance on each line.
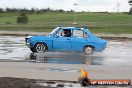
(89,50)
(40,48)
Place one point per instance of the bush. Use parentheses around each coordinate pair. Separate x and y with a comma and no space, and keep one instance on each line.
(8,23)
(22,19)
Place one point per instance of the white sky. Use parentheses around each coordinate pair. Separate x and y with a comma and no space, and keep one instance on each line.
(83,5)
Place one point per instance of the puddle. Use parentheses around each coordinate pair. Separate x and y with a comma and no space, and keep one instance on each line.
(117,53)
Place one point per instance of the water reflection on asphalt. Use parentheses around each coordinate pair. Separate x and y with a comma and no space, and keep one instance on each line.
(118,52)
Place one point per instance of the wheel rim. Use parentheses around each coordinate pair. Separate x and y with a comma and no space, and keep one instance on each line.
(40,47)
(88,50)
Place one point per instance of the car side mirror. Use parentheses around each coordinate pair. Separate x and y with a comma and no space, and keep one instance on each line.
(49,34)
(56,36)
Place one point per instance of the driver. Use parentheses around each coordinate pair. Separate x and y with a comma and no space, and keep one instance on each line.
(67,33)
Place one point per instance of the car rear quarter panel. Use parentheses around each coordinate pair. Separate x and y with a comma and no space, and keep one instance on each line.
(98,44)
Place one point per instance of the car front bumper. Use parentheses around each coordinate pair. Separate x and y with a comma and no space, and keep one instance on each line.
(28,44)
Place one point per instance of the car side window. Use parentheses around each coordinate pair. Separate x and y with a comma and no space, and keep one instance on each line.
(79,33)
(64,33)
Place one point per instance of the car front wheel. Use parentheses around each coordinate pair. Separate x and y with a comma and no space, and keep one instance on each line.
(40,47)
(32,49)
(89,50)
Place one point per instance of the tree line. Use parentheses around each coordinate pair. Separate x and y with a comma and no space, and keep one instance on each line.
(23,18)
(32,10)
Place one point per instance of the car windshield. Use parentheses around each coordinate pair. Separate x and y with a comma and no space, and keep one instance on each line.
(55,31)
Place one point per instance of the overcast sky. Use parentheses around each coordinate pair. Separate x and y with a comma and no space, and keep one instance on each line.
(83,5)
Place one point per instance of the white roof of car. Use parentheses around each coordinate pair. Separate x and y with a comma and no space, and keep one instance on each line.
(72,28)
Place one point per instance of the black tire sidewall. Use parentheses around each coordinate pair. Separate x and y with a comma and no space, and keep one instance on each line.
(32,49)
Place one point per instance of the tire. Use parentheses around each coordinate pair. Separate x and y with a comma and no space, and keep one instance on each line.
(32,49)
(89,50)
(40,47)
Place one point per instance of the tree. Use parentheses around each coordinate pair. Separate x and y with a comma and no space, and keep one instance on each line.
(22,19)
(1,10)
(130,3)
(61,10)
(8,10)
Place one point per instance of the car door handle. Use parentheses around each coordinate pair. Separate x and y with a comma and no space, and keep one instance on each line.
(68,39)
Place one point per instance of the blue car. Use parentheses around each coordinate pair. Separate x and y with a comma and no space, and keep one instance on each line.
(67,39)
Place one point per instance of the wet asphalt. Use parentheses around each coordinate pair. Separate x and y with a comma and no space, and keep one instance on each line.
(117,53)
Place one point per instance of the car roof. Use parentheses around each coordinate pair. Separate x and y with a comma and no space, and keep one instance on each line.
(74,28)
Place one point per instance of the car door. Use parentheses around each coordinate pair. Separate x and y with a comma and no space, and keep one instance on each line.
(62,43)
(80,38)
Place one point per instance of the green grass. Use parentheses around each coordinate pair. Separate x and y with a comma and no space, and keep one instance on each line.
(97,22)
